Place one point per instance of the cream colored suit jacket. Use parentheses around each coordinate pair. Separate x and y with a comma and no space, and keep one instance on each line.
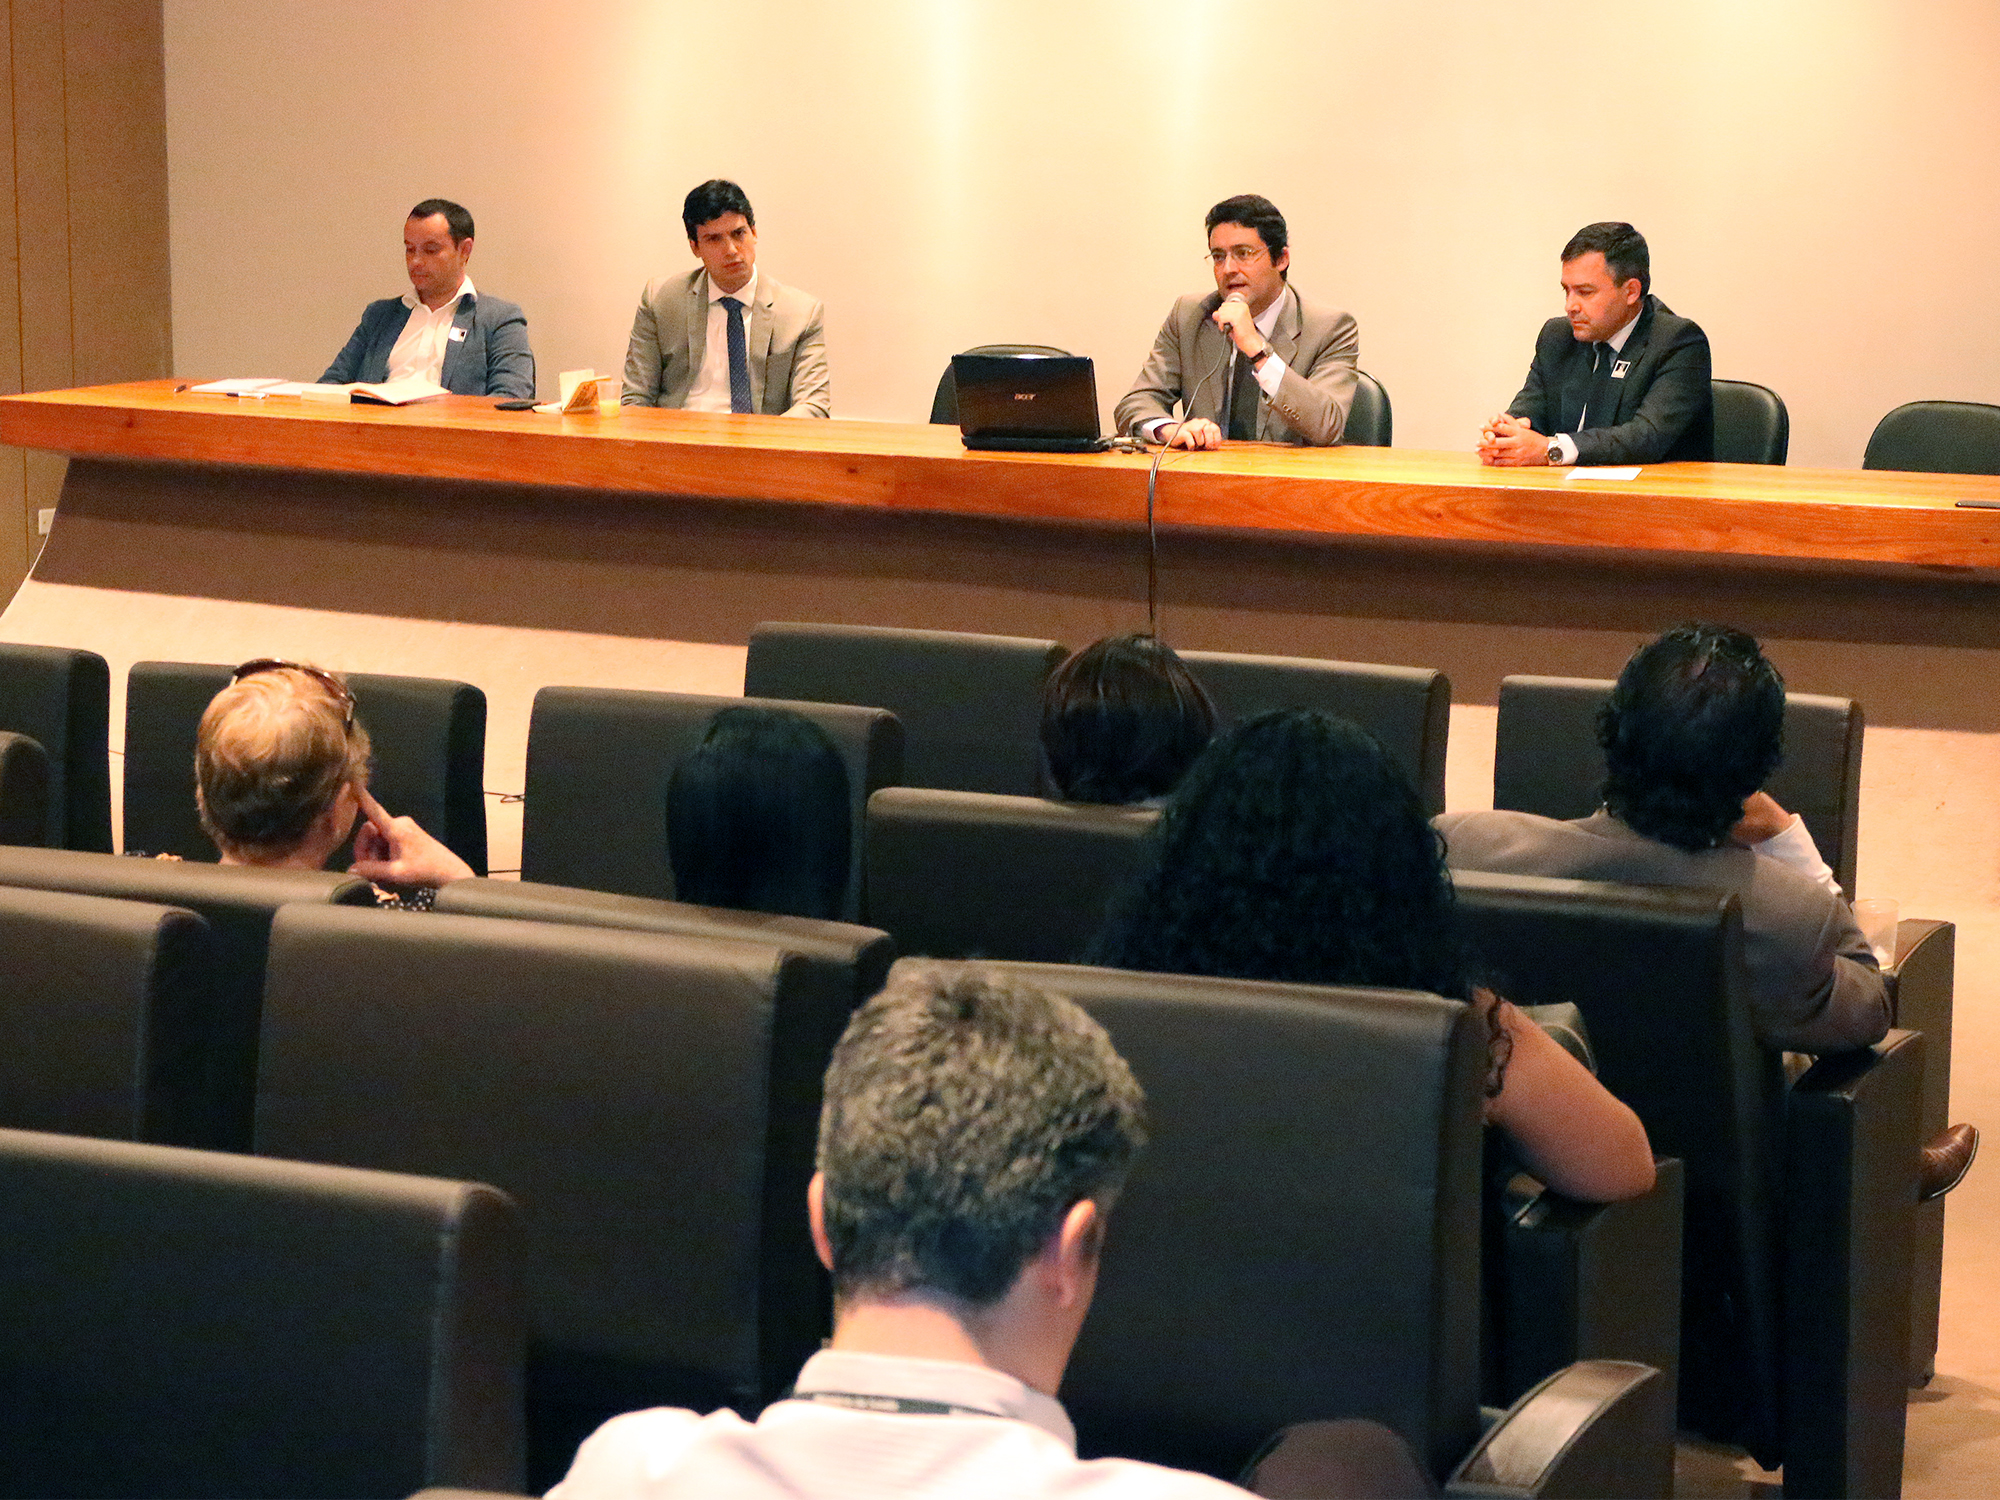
(785,331)
(1319,346)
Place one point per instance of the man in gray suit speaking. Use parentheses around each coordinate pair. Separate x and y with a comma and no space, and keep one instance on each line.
(726,337)
(1252,361)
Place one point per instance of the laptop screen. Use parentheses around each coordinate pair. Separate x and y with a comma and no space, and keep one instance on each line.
(1025,396)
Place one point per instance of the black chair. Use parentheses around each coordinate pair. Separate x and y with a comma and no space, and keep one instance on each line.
(193,1323)
(1546,759)
(944,405)
(1796,1296)
(1751,423)
(430,755)
(1369,420)
(970,705)
(24,790)
(1408,709)
(649,1100)
(968,875)
(1937,437)
(599,760)
(1301,1239)
(211,1104)
(857,958)
(100,1002)
(61,699)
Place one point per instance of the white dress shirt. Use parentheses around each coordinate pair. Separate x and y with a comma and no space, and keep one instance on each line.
(871,1435)
(1269,373)
(1566,441)
(420,347)
(1792,846)
(710,391)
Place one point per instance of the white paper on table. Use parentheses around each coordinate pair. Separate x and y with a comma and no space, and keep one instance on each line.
(242,387)
(1588,471)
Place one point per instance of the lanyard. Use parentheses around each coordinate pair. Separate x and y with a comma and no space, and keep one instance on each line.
(903,1406)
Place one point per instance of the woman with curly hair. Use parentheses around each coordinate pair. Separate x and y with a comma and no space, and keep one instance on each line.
(1297,850)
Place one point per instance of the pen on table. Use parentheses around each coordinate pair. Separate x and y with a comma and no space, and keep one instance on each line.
(181,387)
(1977,504)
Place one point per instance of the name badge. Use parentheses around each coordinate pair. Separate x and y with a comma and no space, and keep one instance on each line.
(1618,369)
(457,336)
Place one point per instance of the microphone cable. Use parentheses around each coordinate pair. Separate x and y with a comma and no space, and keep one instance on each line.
(1152,484)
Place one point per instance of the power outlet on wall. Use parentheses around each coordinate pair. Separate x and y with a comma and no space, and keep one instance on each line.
(44,519)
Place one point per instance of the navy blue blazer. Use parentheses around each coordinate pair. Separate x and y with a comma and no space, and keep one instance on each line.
(488,354)
(1666,406)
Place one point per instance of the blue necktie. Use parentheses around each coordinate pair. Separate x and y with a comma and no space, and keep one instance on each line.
(739,357)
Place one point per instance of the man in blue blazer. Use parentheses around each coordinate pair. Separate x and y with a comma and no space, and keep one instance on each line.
(442,329)
(1619,378)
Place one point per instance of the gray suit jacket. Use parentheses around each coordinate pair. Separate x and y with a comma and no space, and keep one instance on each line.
(787,344)
(488,354)
(1814,983)
(1319,346)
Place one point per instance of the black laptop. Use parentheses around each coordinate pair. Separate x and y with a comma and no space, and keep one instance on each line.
(1027,403)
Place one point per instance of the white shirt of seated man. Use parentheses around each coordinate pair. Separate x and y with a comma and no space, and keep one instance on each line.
(915,1396)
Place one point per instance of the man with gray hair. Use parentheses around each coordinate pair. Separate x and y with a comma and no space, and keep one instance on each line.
(975,1132)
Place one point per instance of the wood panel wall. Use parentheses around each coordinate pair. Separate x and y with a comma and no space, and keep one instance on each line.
(84,290)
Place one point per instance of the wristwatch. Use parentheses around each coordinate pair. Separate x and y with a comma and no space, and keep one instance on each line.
(1555,455)
(1257,359)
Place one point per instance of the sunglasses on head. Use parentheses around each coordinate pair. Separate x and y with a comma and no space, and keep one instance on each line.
(334,686)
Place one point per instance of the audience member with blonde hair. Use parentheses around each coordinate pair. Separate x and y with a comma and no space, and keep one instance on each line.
(281,775)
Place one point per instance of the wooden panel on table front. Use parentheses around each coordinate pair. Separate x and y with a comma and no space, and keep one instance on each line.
(1742,511)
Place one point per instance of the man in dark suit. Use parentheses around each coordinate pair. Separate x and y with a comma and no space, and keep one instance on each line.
(442,329)
(1618,379)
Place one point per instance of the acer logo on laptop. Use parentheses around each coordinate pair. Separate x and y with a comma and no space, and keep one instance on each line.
(1024,395)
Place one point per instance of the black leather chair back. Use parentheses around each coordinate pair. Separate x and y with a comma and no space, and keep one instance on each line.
(944,405)
(1937,437)
(1546,759)
(61,698)
(100,1002)
(970,705)
(1302,1235)
(1369,421)
(237,904)
(1751,423)
(626,1088)
(856,958)
(430,755)
(599,760)
(1658,975)
(194,1323)
(968,875)
(24,791)
(1407,709)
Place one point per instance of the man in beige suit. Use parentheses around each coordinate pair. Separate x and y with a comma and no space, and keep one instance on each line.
(1252,361)
(726,337)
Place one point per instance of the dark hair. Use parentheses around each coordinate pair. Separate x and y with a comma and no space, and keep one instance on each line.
(1623,248)
(1295,850)
(1695,724)
(758,817)
(271,753)
(456,219)
(966,1113)
(1253,211)
(713,199)
(1122,720)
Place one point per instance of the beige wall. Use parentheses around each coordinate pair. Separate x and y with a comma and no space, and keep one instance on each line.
(1816,176)
(83,220)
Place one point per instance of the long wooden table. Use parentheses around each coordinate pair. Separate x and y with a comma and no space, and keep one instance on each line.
(1702,510)
(676,529)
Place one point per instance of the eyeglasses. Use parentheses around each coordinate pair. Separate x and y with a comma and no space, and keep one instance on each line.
(336,689)
(1238,255)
